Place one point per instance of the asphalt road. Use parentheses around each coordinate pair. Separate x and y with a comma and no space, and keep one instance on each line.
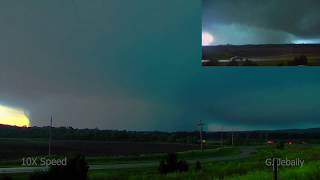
(244,153)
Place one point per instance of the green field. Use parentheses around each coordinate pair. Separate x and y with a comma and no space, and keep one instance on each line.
(252,167)
(284,60)
(98,160)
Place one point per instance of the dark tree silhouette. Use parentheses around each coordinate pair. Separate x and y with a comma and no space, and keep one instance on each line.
(172,164)
(280,145)
(233,63)
(198,165)
(183,166)
(299,60)
(249,63)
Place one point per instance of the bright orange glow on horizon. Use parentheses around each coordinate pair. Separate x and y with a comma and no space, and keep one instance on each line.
(13,117)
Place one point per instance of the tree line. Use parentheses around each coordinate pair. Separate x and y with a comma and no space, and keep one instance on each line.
(191,137)
(69,133)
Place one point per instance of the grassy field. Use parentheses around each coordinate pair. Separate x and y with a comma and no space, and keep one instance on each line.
(12,149)
(98,160)
(252,167)
(126,173)
(241,171)
(189,155)
(285,59)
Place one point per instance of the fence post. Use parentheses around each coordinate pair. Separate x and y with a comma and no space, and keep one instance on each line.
(275,169)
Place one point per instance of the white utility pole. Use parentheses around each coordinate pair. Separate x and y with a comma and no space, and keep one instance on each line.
(221,136)
(232,137)
(200,124)
(50,137)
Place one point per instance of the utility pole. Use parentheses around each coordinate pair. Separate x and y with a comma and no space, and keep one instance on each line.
(200,124)
(275,168)
(232,137)
(221,136)
(50,137)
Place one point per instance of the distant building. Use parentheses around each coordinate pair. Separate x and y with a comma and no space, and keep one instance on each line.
(270,142)
(205,60)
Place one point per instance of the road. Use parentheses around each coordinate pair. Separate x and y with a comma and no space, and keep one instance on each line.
(244,153)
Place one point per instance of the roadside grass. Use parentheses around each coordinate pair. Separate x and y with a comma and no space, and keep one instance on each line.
(121,173)
(285,60)
(310,171)
(218,170)
(250,168)
(10,163)
(227,170)
(16,176)
(188,155)
(209,171)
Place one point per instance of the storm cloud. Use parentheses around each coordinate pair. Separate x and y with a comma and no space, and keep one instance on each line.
(274,21)
(135,65)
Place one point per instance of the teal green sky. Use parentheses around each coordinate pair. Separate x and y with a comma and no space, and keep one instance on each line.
(136,65)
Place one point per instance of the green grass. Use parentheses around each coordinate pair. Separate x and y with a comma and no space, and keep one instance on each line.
(312,61)
(121,173)
(17,176)
(189,155)
(250,168)
(194,154)
(10,163)
(310,171)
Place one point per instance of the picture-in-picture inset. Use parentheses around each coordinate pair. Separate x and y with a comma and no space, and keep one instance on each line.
(256,33)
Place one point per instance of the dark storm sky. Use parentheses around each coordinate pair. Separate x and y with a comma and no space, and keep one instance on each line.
(136,65)
(260,21)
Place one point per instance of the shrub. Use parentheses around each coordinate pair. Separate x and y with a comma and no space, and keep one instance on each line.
(249,63)
(299,60)
(280,145)
(183,166)
(163,167)
(233,63)
(172,164)
(198,165)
